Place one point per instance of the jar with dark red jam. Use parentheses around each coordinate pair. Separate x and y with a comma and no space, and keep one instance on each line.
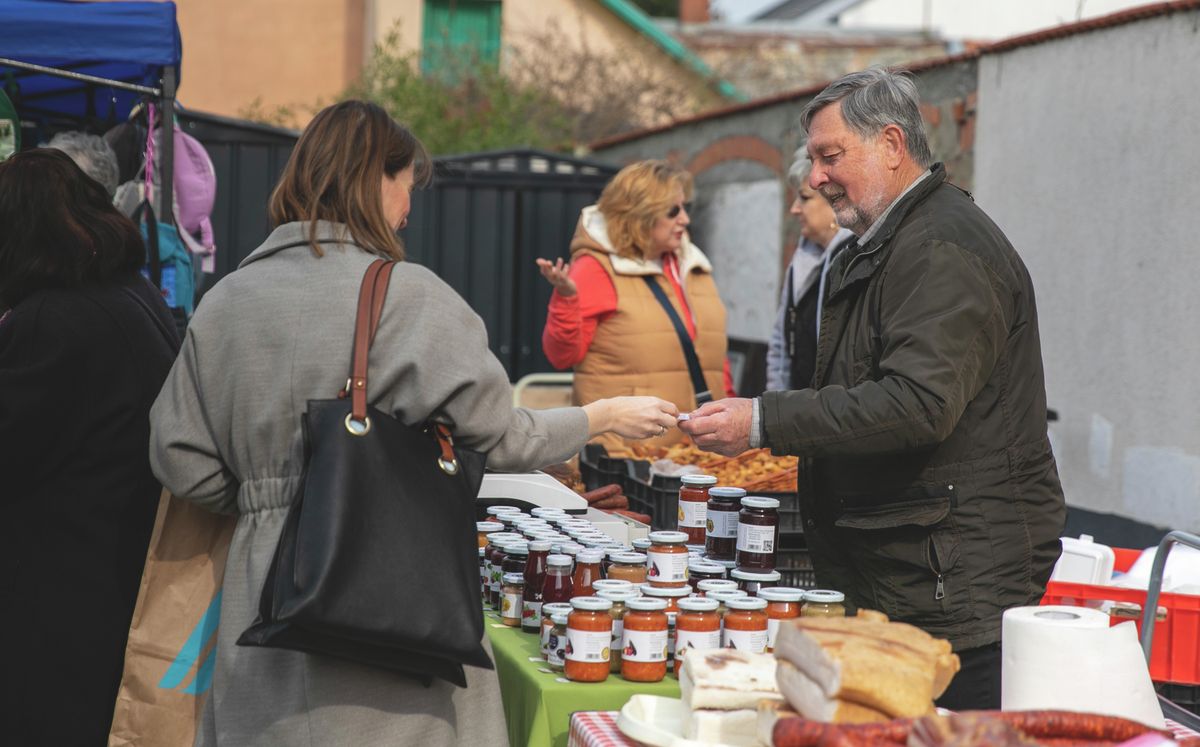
(557,587)
(757,533)
(693,506)
(515,555)
(535,576)
(702,570)
(721,522)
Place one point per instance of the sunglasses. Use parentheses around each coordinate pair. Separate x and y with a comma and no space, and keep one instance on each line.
(675,209)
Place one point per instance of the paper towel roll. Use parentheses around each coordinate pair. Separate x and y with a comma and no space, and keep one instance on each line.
(1068,658)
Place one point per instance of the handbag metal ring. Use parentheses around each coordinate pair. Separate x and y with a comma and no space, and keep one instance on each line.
(357,428)
(450,467)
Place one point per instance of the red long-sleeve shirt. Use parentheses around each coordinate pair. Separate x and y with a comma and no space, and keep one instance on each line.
(572,320)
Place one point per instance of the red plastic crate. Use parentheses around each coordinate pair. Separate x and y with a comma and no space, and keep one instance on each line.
(1176,653)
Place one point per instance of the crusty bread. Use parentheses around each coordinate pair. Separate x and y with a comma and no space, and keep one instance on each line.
(872,615)
(737,728)
(727,679)
(808,700)
(890,667)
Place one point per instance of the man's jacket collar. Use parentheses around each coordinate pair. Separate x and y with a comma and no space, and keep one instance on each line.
(877,245)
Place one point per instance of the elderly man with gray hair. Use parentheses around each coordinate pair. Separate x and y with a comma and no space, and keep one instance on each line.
(927,484)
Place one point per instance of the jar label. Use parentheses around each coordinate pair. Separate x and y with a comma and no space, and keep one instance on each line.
(750,641)
(753,538)
(618,631)
(721,524)
(671,633)
(772,631)
(692,514)
(666,567)
(701,640)
(556,648)
(588,645)
(495,580)
(510,605)
(531,616)
(644,645)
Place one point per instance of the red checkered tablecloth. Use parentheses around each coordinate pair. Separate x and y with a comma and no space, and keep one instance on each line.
(599,729)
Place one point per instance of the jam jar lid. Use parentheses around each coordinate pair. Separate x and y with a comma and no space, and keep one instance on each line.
(617,595)
(517,547)
(612,584)
(548,511)
(500,538)
(630,557)
(756,575)
(726,492)
(514,578)
(589,556)
(646,604)
(704,566)
(591,604)
(615,550)
(559,618)
(493,510)
(824,596)
(746,603)
(728,565)
(716,584)
(482,550)
(558,561)
(539,545)
(488,526)
(551,608)
(699,479)
(699,604)
(641,543)
(666,591)
(755,501)
(570,548)
(725,595)
(781,594)
(668,538)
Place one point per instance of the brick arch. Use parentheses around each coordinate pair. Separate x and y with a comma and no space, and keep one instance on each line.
(737,148)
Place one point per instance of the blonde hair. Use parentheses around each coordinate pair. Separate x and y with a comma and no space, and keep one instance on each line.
(336,171)
(637,196)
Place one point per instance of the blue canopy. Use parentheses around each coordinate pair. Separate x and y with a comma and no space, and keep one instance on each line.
(130,42)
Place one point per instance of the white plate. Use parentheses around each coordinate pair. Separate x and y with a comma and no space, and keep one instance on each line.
(656,721)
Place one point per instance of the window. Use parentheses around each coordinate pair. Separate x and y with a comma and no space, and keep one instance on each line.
(458,30)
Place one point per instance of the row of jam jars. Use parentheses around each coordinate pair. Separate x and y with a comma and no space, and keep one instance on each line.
(757,533)
(693,507)
(589,640)
(535,577)
(667,559)
(721,522)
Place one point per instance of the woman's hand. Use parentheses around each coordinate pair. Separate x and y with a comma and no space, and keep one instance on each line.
(631,417)
(556,273)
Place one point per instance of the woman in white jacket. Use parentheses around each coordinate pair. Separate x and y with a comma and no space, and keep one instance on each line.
(792,350)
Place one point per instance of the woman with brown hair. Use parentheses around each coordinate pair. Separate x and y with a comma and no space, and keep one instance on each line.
(277,333)
(630,255)
(85,343)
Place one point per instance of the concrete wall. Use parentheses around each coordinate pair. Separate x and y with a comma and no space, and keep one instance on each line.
(1086,156)
(740,161)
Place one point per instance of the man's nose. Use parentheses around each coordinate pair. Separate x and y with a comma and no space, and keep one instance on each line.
(818,178)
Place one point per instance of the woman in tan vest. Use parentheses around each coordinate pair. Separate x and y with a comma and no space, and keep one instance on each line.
(631,253)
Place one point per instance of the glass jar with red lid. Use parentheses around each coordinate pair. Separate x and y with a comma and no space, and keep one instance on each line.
(644,642)
(589,637)
(721,523)
(757,533)
(693,506)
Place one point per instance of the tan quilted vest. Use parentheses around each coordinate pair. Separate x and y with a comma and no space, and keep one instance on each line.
(636,351)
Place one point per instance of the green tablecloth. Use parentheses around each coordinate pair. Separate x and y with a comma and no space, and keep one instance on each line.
(538,703)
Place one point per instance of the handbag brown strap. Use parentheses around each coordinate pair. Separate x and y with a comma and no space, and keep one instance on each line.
(371,297)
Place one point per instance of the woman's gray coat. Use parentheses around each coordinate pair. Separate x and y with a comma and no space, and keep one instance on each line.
(226,435)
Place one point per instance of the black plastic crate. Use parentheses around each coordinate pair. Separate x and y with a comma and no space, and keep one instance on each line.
(598,469)
(1186,697)
(794,563)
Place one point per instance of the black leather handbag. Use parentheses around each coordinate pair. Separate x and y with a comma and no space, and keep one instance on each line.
(377,562)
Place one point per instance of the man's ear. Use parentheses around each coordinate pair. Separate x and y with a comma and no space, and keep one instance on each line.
(895,146)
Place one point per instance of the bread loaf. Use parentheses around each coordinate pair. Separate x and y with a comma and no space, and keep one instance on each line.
(808,700)
(727,679)
(737,728)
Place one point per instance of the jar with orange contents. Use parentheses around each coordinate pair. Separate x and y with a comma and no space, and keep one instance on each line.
(667,559)
(587,570)
(693,506)
(644,643)
(745,625)
(697,627)
(783,603)
(483,529)
(629,566)
(589,636)
(724,595)
(672,595)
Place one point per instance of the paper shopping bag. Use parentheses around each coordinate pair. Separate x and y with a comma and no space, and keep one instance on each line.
(171,651)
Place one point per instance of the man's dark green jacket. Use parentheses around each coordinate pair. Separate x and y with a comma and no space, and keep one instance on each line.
(927,486)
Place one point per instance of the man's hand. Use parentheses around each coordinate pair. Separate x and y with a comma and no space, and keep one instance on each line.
(722,426)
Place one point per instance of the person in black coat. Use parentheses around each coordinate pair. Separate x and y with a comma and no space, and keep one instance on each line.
(85,344)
